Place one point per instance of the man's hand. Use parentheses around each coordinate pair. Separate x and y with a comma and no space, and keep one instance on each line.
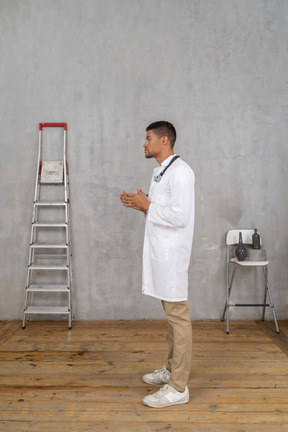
(136,201)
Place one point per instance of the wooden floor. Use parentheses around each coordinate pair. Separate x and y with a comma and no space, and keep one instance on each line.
(90,378)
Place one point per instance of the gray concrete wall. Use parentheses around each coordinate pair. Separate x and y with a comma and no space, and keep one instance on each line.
(217,69)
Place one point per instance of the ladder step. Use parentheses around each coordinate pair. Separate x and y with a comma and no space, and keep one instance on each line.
(49,256)
(50,203)
(50,224)
(47,310)
(49,245)
(48,288)
(48,267)
(49,183)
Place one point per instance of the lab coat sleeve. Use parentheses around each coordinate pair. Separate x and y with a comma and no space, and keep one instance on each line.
(182,201)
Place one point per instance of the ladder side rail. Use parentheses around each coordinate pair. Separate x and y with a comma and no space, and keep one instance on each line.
(66,194)
(38,173)
(32,241)
(69,249)
(71,291)
(35,208)
(30,273)
(24,320)
(28,282)
(68,261)
(67,235)
(65,167)
(32,237)
(69,258)
(31,256)
(68,232)
(69,283)
(67,199)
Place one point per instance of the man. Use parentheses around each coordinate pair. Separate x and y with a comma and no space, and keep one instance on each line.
(169,211)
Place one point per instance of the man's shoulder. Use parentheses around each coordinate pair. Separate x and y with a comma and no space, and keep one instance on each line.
(181,165)
(184,163)
(181,171)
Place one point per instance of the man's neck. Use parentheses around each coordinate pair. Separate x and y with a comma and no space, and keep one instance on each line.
(164,156)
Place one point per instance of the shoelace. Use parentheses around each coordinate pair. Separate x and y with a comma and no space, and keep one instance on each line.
(166,374)
(165,389)
(160,370)
(164,371)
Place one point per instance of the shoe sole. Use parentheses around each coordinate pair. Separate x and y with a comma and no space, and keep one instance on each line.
(153,382)
(151,405)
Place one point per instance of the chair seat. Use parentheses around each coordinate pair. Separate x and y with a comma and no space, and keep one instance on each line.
(248,263)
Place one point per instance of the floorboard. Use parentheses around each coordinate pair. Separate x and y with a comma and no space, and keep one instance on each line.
(90,378)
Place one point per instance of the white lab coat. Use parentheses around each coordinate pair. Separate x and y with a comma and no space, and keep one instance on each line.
(169,233)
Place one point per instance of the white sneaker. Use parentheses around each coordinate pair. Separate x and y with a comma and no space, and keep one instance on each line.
(166,396)
(158,377)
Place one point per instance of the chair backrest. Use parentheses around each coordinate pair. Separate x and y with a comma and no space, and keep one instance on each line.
(232,237)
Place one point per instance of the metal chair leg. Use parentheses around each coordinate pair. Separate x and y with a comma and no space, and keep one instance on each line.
(265,293)
(272,307)
(268,290)
(228,292)
(227,321)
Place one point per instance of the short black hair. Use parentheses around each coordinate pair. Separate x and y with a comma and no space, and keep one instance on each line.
(164,128)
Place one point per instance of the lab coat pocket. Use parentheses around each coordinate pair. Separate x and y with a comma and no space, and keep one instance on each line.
(159,245)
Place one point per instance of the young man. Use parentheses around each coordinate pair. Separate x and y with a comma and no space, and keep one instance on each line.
(169,211)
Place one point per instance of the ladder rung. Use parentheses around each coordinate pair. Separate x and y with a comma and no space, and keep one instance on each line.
(49,256)
(56,183)
(50,203)
(47,310)
(49,224)
(47,267)
(48,288)
(49,245)
(252,305)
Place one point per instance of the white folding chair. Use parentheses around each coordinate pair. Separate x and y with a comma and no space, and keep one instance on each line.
(232,239)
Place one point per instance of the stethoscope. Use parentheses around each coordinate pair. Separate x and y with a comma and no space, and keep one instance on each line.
(158,177)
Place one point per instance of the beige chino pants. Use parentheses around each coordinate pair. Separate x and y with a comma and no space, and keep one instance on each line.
(180,343)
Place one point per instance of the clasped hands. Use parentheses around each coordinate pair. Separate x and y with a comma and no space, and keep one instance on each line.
(137,201)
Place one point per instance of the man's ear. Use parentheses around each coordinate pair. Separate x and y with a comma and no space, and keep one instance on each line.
(165,140)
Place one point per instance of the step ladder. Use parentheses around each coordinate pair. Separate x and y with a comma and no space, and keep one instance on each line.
(49,276)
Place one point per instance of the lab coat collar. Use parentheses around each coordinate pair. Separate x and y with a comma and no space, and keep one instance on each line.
(167,160)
